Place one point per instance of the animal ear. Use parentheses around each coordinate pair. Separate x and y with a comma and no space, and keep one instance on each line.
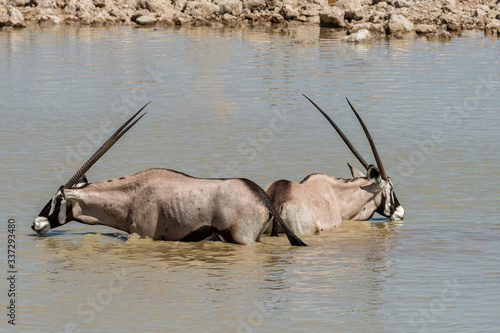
(355,172)
(374,175)
(60,193)
(82,182)
(70,195)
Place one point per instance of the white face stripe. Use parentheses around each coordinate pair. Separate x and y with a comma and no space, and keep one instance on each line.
(53,204)
(62,212)
(399,211)
(62,207)
(390,199)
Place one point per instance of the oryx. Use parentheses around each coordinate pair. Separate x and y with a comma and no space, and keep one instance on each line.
(320,202)
(163,204)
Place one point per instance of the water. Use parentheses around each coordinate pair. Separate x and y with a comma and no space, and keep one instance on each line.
(227,103)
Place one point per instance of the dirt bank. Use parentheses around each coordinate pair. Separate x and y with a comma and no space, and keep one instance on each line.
(363,19)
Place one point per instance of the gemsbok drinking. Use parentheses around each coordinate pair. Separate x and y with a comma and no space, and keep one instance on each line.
(320,202)
(163,204)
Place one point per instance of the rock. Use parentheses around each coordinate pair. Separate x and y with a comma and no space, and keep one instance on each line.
(146,20)
(99,3)
(11,17)
(493,27)
(179,4)
(116,12)
(55,19)
(20,3)
(288,12)
(452,22)
(155,6)
(400,18)
(200,10)
(441,35)
(100,17)
(479,12)
(233,7)
(402,3)
(362,36)
(484,8)
(310,10)
(4,16)
(376,29)
(352,9)
(425,29)
(399,26)
(276,18)
(253,5)
(228,17)
(73,6)
(333,17)
(182,19)
(46,3)
(168,16)
(251,17)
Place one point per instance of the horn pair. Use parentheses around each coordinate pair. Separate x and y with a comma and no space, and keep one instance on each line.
(349,144)
(105,147)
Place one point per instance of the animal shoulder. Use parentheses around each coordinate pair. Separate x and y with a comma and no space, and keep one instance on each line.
(323,178)
(141,176)
(316,177)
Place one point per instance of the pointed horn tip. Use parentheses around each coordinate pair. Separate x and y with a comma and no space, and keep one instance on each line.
(349,102)
(380,165)
(144,106)
(109,143)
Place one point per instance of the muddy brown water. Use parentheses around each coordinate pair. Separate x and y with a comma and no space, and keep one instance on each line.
(227,103)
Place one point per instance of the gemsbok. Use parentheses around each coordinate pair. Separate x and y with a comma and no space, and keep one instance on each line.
(320,202)
(163,204)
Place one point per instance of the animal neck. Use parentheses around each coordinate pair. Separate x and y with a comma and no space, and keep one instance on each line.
(104,206)
(358,198)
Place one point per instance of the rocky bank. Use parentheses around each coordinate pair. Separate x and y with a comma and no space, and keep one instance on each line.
(363,20)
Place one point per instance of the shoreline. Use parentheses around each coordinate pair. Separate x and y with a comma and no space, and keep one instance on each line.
(362,20)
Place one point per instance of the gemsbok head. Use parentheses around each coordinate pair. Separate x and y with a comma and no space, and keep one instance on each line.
(163,204)
(57,212)
(320,202)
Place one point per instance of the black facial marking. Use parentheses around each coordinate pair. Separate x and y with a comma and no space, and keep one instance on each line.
(54,218)
(381,207)
(46,210)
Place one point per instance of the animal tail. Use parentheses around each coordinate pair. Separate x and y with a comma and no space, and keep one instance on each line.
(266,200)
(271,194)
(292,238)
(274,230)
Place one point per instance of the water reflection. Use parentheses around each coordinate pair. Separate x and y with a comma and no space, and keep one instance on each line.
(214,92)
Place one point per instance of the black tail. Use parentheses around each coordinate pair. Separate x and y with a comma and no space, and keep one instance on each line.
(292,238)
(274,230)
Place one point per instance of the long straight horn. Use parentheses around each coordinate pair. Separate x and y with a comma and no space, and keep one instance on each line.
(104,148)
(372,144)
(342,135)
